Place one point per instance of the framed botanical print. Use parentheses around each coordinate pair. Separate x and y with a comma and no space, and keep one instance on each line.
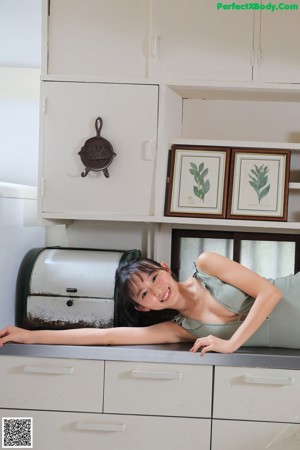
(197,181)
(258,186)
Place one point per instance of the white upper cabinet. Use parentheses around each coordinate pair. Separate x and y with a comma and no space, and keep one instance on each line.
(193,40)
(129,115)
(97,38)
(197,40)
(169,40)
(278,47)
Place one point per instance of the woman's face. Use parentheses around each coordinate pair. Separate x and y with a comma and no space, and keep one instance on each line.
(155,291)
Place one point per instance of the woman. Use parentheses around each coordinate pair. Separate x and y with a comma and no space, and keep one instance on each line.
(223,305)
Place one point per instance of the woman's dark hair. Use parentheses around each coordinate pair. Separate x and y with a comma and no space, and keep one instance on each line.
(126,279)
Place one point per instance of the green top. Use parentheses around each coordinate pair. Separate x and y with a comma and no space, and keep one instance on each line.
(281,329)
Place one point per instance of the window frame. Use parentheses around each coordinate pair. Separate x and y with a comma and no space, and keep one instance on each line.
(235,236)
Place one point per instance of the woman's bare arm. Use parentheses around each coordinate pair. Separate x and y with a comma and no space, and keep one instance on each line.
(166,332)
(266,298)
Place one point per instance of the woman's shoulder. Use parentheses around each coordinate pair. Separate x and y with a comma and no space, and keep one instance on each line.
(205,260)
(213,264)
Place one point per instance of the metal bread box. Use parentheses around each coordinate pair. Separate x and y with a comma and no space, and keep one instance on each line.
(68,288)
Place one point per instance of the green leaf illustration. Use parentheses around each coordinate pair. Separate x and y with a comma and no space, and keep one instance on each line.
(259,181)
(263,193)
(202,186)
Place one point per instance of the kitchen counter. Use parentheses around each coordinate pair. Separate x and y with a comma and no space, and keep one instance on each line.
(167,353)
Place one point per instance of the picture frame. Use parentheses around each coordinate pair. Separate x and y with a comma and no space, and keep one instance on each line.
(197,181)
(259,184)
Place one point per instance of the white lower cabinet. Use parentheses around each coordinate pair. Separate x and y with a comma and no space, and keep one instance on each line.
(256,409)
(76,431)
(162,406)
(244,435)
(244,393)
(158,389)
(76,404)
(51,384)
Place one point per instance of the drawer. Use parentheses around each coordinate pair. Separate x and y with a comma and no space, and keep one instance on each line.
(50,383)
(257,394)
(158,389)
(237,435)
(77,431)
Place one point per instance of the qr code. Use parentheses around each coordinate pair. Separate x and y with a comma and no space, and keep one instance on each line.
(17,432)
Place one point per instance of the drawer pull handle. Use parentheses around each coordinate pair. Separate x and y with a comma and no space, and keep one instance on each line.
(49,370)
(108,427)
(268,380)
(156,375)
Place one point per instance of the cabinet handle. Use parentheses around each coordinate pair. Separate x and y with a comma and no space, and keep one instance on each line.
(156,375)
(108,427)
(148,150)
(154,46)
(269,380)
(49,370)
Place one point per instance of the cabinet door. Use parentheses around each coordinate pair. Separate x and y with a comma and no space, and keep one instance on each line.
(278,52)
(257,394)
(75,431)
(194,40)
(237,435)
(129,115)
(50,383)
(158,389)
(97,37)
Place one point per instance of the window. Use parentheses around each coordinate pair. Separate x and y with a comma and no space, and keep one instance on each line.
(270,255)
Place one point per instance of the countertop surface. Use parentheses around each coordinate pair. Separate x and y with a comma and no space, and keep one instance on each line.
(167,353)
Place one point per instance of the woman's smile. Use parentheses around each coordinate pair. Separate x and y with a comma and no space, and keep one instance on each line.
(157,294)
(166,295)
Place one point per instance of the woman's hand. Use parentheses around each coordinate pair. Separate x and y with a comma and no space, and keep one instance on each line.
(14,334)
(212,344)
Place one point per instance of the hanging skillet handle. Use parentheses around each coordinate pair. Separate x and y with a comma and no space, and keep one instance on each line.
(98,125)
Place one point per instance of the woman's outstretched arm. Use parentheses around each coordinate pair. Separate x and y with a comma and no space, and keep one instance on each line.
(266,298)
(162,333)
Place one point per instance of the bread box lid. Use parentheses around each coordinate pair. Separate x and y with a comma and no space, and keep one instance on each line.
(74,272)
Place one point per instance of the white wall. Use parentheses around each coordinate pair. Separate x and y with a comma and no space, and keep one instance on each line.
(20,61)
(20,33)
(20,56)
(252,120)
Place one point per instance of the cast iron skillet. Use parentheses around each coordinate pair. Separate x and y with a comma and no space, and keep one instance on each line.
(97,153)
